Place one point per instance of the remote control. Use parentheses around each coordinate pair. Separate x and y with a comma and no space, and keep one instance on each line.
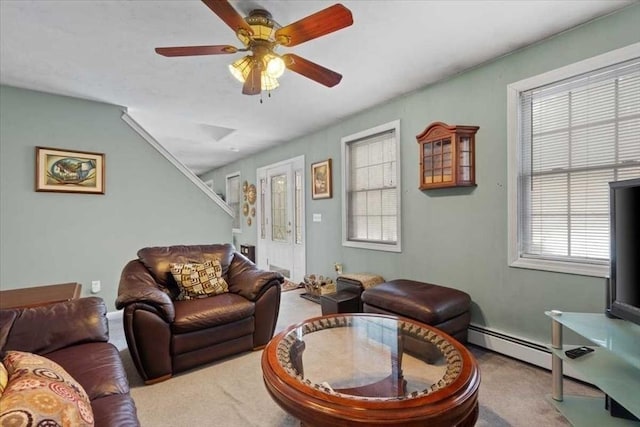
(577,352)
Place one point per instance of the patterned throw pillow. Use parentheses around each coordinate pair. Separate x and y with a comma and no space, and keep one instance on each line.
(4,378)
(41,393)
(199,280)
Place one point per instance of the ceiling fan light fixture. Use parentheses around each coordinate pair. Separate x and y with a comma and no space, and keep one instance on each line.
(274,65)
(240,68)
(267,82)
(261,36)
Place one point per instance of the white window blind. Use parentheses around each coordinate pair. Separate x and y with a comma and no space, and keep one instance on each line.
(576,135)
(372,190)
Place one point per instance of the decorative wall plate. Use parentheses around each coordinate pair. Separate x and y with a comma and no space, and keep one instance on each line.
(245,185)
(245,209)
(253,211)
(249,221)
(251,194)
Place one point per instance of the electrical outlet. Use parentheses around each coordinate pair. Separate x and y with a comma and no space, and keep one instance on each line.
(338,267)
(95,286)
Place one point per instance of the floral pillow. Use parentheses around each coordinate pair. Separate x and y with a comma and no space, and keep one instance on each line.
(199,280)
(40,392)
(4,378)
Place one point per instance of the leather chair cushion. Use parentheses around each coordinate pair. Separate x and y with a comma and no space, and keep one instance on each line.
(157,259)
(59,325)
(424,302)
(203,313)
(115,410)
(96,366)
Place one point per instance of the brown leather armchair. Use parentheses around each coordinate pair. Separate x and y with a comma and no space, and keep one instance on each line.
(167,336)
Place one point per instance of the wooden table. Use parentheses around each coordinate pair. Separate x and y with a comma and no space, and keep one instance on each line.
(39,295)
(358,371)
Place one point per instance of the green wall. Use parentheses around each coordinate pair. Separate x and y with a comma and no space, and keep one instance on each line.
(56,237)
(457,237)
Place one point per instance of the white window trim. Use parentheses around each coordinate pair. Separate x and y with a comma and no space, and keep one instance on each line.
(513,154)
(394,125)
(226,192)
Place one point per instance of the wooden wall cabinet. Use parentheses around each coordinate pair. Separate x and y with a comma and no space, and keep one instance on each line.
(447,156)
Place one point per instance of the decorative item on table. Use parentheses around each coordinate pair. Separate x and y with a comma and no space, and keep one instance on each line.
(319,285)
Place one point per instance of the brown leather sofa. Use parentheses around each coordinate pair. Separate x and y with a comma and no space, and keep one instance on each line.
(74,334)
(166,336)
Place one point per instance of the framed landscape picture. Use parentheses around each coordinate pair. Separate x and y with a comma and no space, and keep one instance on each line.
(321,180)
(68,171)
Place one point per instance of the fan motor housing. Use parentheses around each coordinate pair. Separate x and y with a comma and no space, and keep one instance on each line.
(263,25)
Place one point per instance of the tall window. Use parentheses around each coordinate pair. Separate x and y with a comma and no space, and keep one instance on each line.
(371,188)
(574,135)
(234,196)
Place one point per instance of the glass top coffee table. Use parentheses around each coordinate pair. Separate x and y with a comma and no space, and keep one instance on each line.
(371,369)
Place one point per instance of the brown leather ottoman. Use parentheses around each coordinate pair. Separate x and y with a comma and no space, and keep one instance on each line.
(444,308)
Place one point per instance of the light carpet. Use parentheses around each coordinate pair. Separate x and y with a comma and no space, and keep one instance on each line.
(231,393)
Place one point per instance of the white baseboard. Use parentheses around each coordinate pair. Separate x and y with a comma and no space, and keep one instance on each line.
(528,351)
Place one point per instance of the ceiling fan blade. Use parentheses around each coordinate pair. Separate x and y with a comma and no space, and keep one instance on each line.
(229,15)
(311,70)
(313,26)
(196,50)
(252,85)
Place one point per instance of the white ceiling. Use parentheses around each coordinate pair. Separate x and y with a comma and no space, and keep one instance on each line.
(104,51)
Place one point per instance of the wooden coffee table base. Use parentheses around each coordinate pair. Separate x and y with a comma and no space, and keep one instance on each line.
(316,413)
(453,405)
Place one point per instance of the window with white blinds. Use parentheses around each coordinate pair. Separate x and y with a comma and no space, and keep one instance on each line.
(575,135)
(371,189)
(234,196)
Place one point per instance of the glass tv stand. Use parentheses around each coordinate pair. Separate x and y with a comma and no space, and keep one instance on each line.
(614,367)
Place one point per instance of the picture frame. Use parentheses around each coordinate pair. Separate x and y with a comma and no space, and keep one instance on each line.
(321,180)
(69,171)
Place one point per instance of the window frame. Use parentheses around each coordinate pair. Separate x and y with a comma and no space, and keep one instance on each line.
(514,150)
(226,188)
(345,141)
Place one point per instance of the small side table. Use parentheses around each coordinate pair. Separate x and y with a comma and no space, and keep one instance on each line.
(340,302)
(249,251)
(39,295)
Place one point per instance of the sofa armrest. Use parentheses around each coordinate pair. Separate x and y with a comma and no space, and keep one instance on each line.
(248,280)
(137,285)
(54,326)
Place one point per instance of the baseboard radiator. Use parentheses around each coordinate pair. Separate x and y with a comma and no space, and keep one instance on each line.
(527,351)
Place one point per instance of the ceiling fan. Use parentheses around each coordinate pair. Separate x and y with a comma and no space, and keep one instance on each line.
(261,36)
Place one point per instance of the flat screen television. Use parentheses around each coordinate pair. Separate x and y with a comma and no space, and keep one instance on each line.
(623,300)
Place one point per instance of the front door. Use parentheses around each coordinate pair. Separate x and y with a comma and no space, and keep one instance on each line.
(281,220)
